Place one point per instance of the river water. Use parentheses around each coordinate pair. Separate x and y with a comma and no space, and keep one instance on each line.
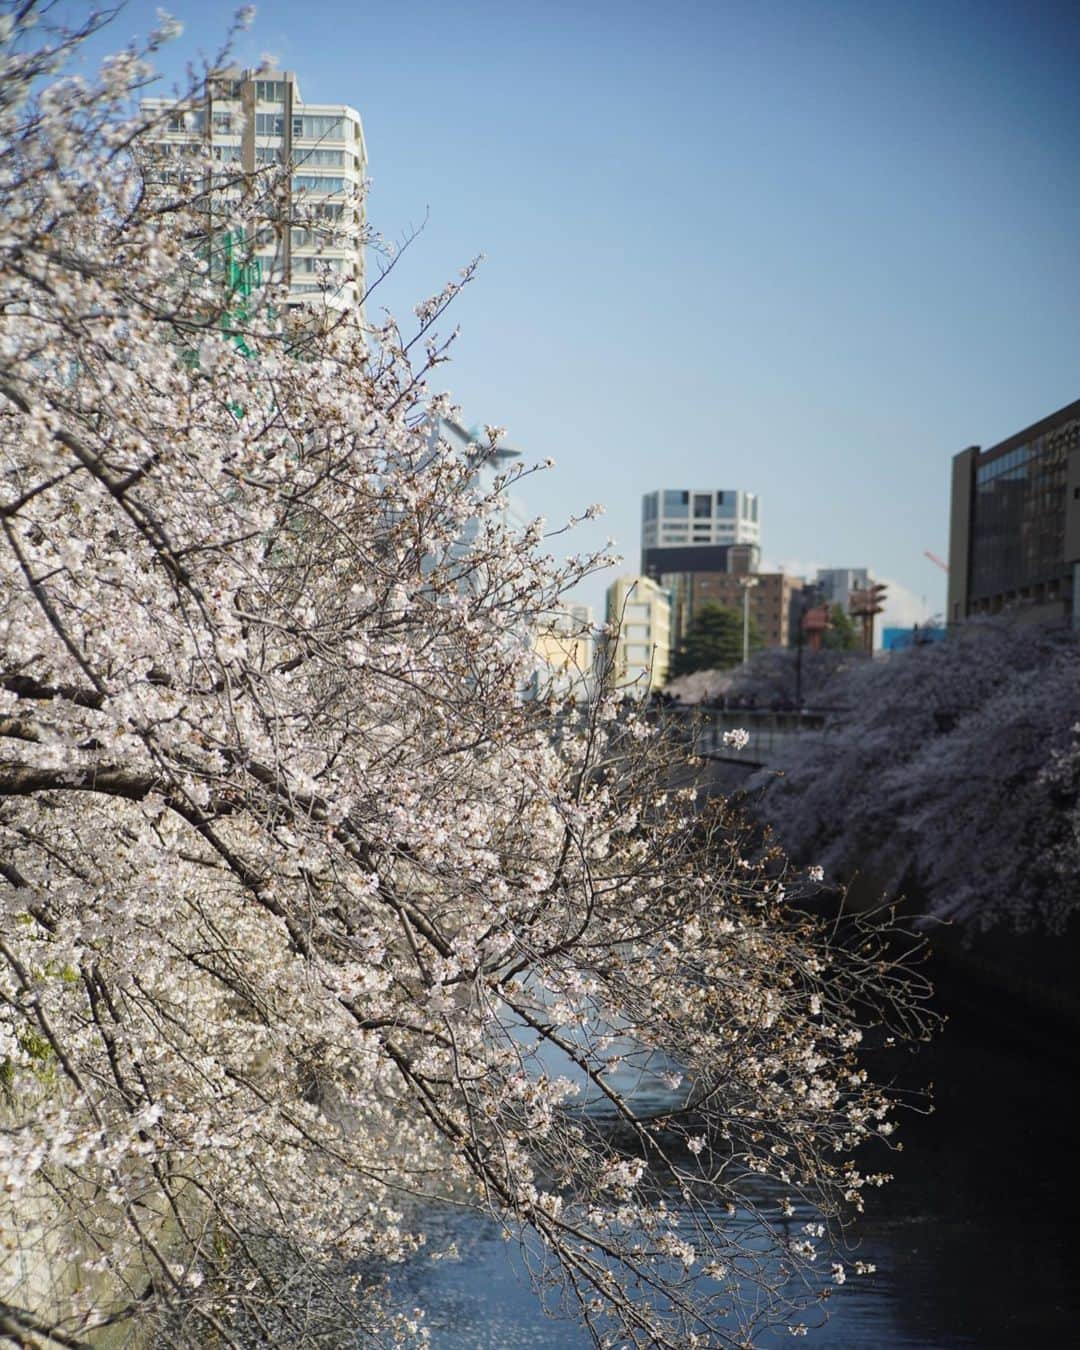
(975,1241)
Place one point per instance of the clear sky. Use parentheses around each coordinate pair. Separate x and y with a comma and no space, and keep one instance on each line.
(806,249)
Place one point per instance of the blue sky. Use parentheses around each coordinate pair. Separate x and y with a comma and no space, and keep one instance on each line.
(806,249)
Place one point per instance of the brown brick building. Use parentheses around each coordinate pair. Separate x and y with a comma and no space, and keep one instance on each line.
(772,600)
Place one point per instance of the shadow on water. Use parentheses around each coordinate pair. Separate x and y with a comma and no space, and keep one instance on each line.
(974,1241)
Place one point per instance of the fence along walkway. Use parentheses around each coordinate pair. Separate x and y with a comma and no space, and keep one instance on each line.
(770,731)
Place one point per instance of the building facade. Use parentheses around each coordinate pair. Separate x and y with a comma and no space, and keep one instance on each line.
(250,121)
(772,604)
(1014,529)
(692,517)
(834,585)
(564,649)
(662,560)
(636,661)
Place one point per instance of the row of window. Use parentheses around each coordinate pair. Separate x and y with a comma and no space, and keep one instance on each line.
(323,159)
(228,122)
(702,530)
(318,265)
(301,237)
(270,91)
(310,182)
(706,505)
(266,91)
(185,119)
(312,288)
(1014,464)
(306,127)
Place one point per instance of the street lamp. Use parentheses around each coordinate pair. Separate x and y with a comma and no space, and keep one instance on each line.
(746,583)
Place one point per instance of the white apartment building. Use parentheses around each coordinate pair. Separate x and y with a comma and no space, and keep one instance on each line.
(254,120)
(684,517)
(642,651)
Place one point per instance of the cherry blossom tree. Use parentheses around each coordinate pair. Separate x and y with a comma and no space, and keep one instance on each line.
(952,771)
(307,918)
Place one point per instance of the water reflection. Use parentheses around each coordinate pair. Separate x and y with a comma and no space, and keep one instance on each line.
(974,1241)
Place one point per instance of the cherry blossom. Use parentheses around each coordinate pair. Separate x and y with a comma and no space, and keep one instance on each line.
(308,919)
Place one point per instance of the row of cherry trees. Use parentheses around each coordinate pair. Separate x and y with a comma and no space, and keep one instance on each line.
(307,919)
(953,772)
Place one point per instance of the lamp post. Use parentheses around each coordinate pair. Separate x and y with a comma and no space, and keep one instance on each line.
(813,621)
(746,583)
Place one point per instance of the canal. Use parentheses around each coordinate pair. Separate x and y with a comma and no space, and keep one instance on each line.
(975,1241)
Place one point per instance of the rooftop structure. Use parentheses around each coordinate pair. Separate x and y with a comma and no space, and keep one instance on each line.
(696,517)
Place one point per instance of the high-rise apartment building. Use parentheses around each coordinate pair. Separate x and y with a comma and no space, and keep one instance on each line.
(247,121)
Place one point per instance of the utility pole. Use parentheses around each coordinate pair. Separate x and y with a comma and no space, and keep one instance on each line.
(746,583)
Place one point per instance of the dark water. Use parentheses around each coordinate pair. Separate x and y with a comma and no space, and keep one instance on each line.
(976,1241)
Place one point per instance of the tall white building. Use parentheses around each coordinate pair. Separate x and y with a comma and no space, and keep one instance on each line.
(684,517)
(248,121)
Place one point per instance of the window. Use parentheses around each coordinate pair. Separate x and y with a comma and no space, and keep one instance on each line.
(185,119)
(223,122)
(323,158)
(677,504)
(317,265)
(702,505)
(269,124)
(270,91)
(309,182)
(267,154)
(311,127)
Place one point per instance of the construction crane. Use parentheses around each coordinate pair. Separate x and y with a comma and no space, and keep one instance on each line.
(935,559)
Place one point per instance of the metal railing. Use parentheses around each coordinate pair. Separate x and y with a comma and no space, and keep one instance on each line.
(770,731)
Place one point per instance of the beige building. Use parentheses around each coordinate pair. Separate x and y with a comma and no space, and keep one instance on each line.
(637,663)
(564,650)
(253,120)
